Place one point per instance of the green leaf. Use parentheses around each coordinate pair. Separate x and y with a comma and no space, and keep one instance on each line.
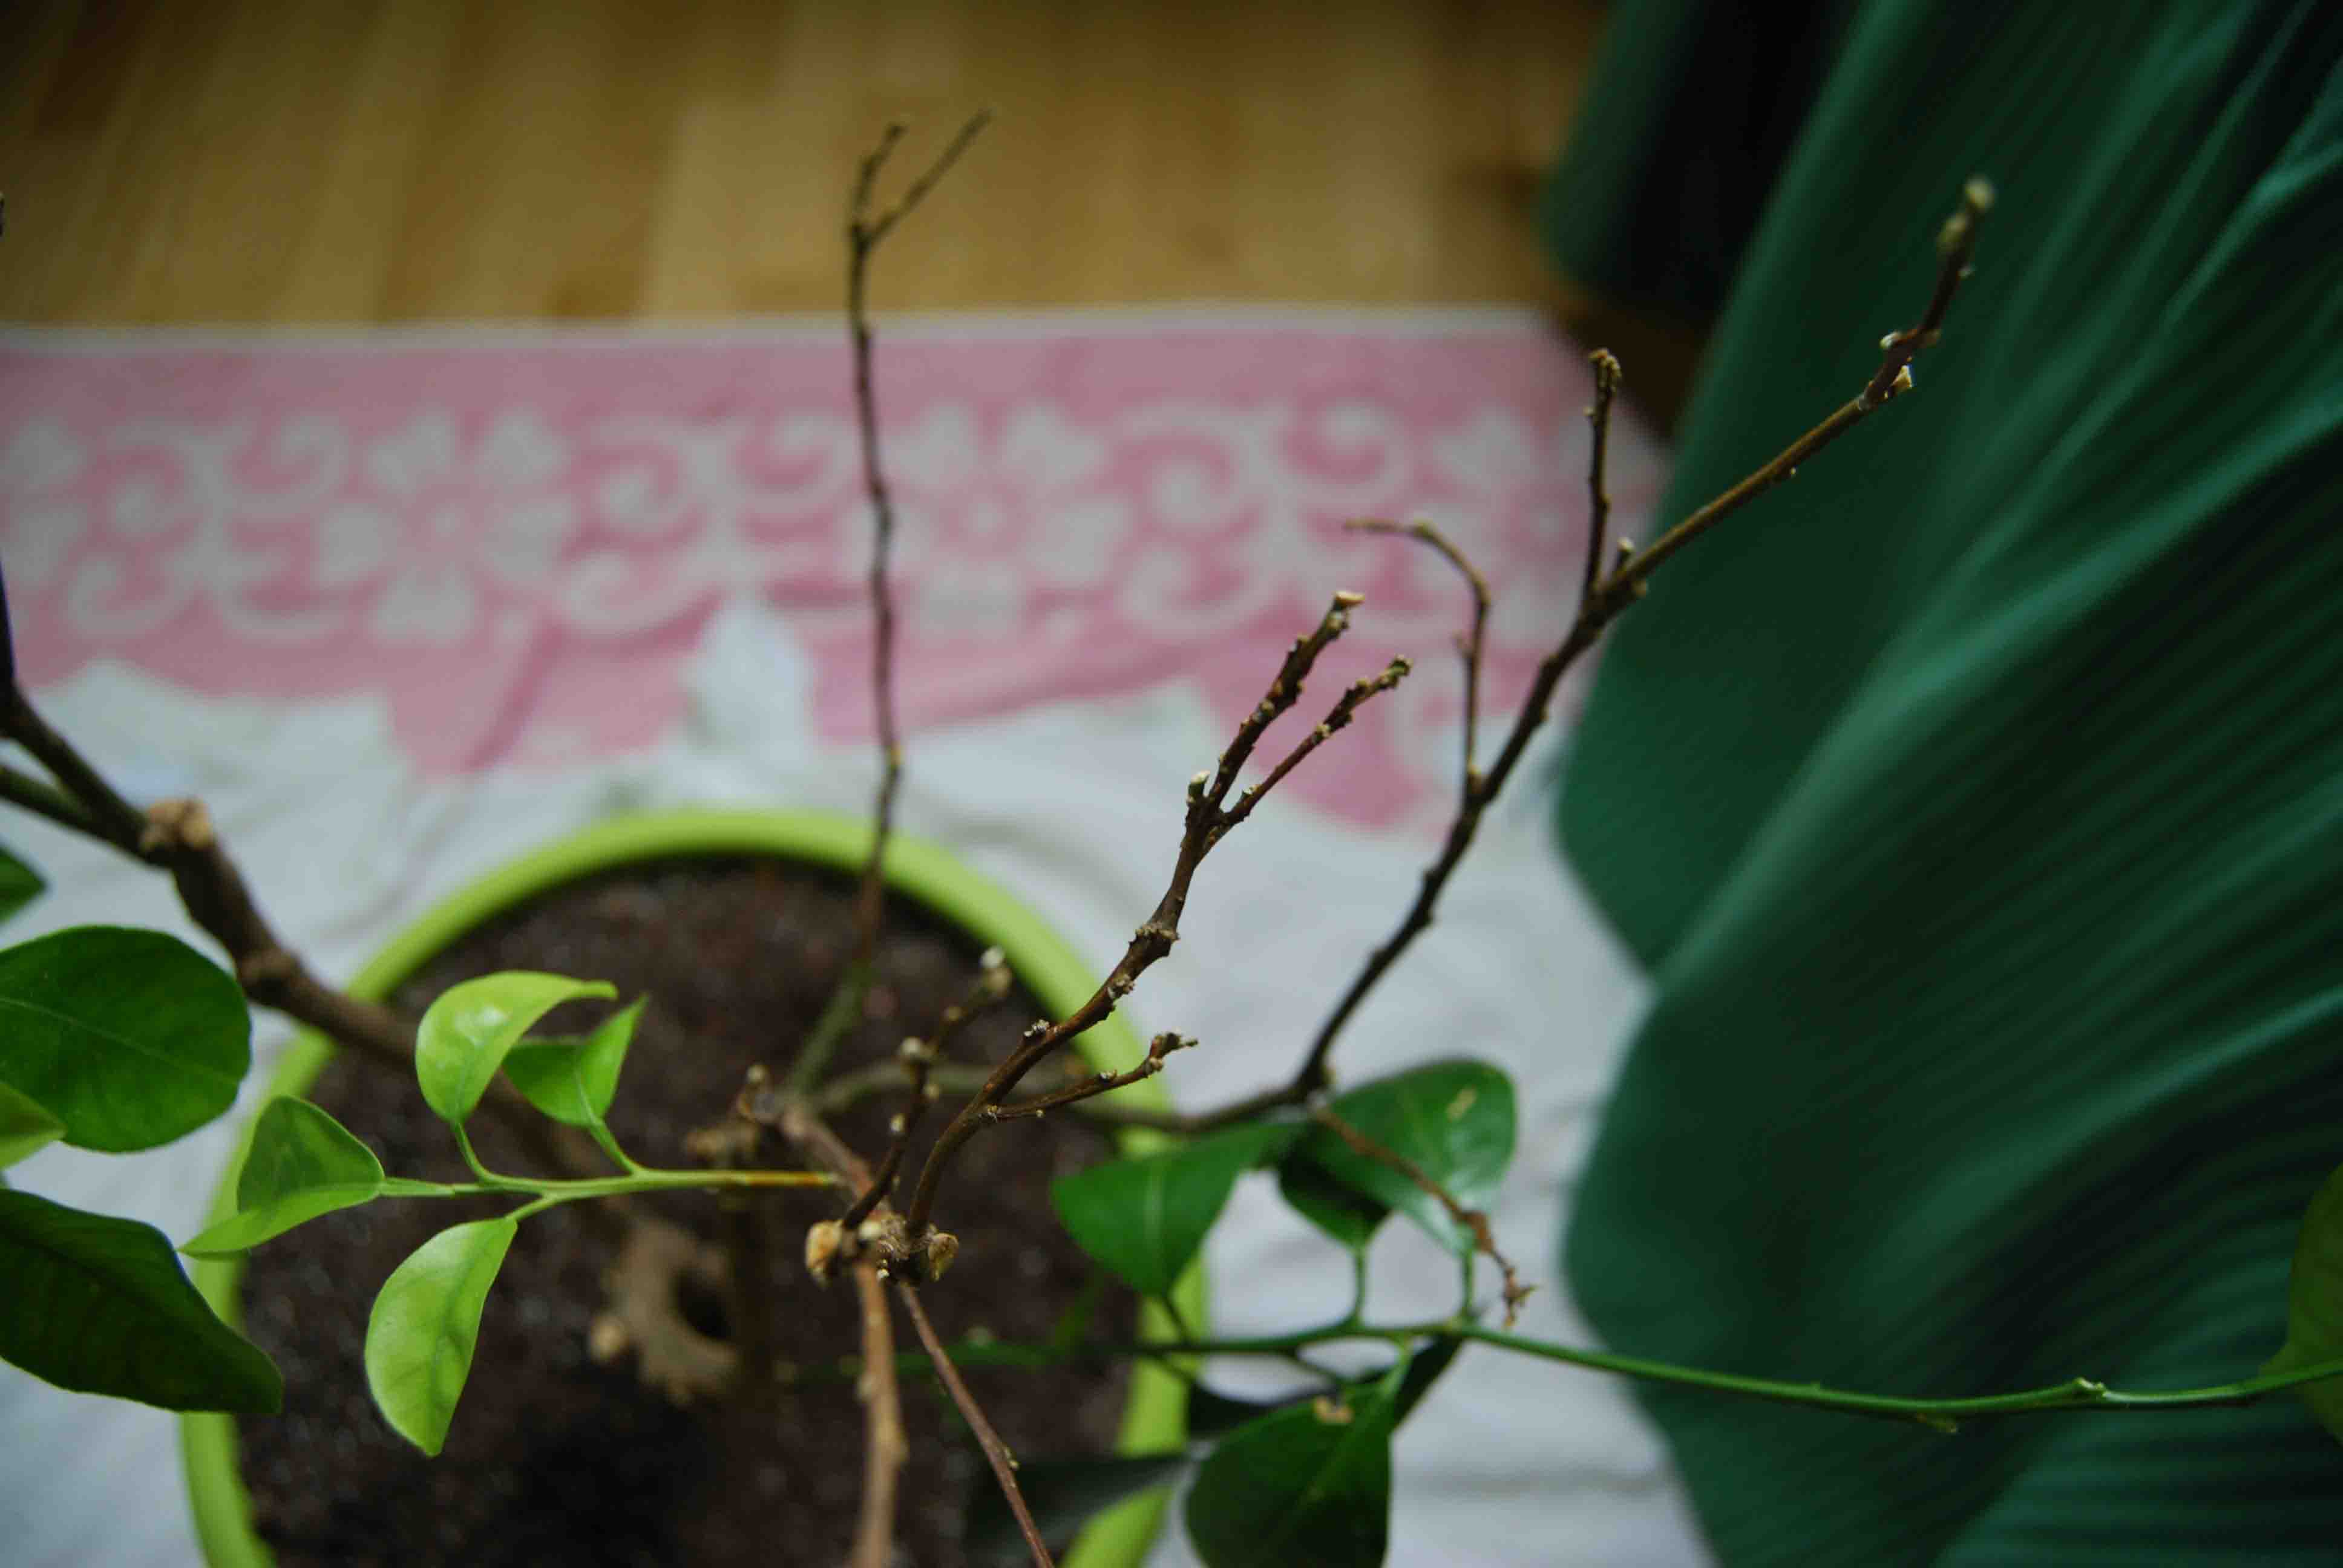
(425,1324)
(1145,1218)
(19,884)
(2314,1304)
(99,1305)
(1453,1121)
(1423,1369)
(1063,1494)
(129,1038)
(1308,1483)
(25,1125)
(303,1163)
(1349,1218)
(573,1080)
(467,1033)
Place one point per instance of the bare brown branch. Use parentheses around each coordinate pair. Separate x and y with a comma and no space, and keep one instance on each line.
(1611,596)
(1598,497)
(919,1058)
(863,235)
(1207,816)
(996,1453)
(1471,1220)
(1468,644)
(884,1448)
(1073,1094)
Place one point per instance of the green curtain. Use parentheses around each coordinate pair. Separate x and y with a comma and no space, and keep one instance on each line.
(1975,801)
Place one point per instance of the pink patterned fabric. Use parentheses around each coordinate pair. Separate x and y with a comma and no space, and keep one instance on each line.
(517,537)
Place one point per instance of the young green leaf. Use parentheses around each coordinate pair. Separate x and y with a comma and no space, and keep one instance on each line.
(129,1038)
(1308,1483)
(466,1033)
(303,1163)
(1145,1218)
(574,1080)
(25,1125)
(425,1324)
(1453,1121)
(100,1305)
(2314,1304)
(19,884)
(1063,1494)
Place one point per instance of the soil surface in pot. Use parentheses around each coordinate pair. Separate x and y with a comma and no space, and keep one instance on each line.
(553,1458)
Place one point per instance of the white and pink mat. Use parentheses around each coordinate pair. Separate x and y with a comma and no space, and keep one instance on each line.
(401,606)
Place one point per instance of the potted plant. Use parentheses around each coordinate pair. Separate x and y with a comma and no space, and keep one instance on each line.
(137,1038)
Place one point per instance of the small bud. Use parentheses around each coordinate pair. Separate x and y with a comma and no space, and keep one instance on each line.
(1326,1410)
(1903,382)
(941,1249)
(823,1242)
(1347,598)
(992,959)
(895,1124)
(913,1049)
(870,1230)
(931,1092)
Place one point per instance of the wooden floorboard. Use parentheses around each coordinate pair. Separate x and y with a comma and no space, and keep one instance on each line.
(403,160)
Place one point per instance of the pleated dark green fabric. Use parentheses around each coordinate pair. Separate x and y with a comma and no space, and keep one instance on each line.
(1976,800)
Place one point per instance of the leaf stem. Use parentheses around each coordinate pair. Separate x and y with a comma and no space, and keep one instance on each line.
(1940,1415)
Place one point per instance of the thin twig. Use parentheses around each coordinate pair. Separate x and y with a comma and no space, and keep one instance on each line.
(919,1058)
(885,1447)
(1468,643)
(1207,816)
(1337,720)
(1473,1221)
(1074,1094)
(863,235)
(1611,596)
(1598,497)
(996,1453)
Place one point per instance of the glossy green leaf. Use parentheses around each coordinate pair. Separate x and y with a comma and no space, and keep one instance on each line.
(426,1322)
(1063,1494)
(2314,1304)
(573,1080)
(100,1305)
(303,1163)
(19,884)
(129,1038)
(1145,1218)
(466,1033)
(1349,1217)
(1307,1483)
(26,1125)
(1453,1121)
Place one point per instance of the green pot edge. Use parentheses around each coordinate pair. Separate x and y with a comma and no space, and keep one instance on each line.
(1155,1419)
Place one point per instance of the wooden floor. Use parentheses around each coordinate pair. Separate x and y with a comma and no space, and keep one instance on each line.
(364,161)
(396,160)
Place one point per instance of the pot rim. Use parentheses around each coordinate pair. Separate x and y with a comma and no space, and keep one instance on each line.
(1155,1416)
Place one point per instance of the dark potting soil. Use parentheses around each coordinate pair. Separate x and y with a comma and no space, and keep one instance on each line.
(553,1458)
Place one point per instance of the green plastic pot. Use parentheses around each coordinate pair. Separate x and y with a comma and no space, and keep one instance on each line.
(1156,1417)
